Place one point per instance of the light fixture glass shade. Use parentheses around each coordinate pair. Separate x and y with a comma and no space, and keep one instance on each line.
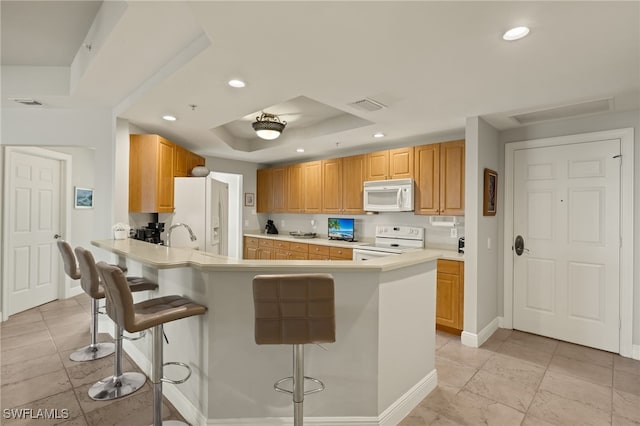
(268,126)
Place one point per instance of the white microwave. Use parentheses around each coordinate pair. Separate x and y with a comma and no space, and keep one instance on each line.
(388,195)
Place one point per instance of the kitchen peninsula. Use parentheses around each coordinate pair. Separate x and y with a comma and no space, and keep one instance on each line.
(380,367)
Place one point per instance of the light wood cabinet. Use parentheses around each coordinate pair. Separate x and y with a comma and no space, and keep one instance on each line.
(332,185)
(274,249)
(279,189)
(353,176)
(263,190)
(295,199)
(390,164)
(439,178)
(181,162)
(194,160)
(312,186)
(450,296)
(151,162)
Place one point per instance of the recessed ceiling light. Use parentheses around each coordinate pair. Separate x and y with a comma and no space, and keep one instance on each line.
(378,135)
(169,117)
(515,33)
(300,150)
(236,83)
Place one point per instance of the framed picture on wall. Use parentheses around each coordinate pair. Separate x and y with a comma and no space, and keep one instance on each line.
(83,198)
(249,199)
(490,193)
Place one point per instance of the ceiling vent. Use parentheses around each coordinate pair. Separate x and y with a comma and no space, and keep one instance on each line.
(566,111)
(26,101)
(367,104)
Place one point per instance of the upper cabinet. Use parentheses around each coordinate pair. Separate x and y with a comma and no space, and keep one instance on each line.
(332,185)
(353,176)
(151,162)
(390,164)
(272,186)
(312,186)
(439,177)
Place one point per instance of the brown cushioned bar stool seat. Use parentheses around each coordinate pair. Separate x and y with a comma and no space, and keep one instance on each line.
(119,384)
(94,350)
(295,309)
(152,313)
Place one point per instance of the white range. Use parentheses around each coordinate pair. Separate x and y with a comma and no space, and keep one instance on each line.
(391,240)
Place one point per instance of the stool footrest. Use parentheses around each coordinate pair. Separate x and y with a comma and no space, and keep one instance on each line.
(277,387)
(180,364)
(138,337)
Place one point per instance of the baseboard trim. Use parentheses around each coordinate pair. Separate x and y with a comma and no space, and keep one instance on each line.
(389,417)
(635,352)
(501,323)
(74,291)
(476,340)
(189,411)
(407,402)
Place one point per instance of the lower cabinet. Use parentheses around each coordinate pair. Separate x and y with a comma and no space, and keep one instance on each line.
(450,296)
(272,249)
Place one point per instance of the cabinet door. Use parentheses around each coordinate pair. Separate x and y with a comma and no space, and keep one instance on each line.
(427,178)
(452,178)
(449,294)
(281,255)
(295,201)
(377,165)
(353,174)
(401,163)
(181,163)
(251,253)
(312,181)
(279,189)
(264,188)
(332,186)
(265,253)
(165,176)
(194,160)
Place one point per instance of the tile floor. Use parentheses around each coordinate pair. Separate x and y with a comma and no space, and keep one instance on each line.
(515,378)
(37,373)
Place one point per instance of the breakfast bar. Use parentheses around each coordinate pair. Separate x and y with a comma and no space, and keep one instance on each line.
(380,367)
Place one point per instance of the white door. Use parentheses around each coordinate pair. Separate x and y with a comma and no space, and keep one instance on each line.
(34,219)
(567,209)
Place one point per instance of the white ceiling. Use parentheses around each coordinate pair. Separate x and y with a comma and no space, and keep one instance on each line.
(433,64)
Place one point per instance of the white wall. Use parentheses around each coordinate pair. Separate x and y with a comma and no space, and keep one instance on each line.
(584,125)
(87,129)
(481,262)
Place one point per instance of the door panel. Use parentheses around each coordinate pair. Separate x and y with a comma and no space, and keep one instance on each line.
(566,207)
(34,219)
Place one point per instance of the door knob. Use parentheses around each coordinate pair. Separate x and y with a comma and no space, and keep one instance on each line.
(518,245)
(57,236)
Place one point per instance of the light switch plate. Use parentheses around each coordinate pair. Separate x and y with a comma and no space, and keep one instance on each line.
(453,233)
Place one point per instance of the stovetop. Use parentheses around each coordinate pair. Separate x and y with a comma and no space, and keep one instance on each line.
(395,239)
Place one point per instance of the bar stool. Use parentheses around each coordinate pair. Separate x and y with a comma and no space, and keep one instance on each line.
(94,350)
(152,313)
(119,384)
(295,310)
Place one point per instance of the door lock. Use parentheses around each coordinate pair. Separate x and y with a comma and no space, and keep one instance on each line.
(518,245)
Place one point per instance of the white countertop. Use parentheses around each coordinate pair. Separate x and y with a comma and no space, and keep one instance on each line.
(162,257)
(318,240)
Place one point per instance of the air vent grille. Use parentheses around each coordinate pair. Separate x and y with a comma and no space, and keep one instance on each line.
(566,111)
(26,101)
(367,104)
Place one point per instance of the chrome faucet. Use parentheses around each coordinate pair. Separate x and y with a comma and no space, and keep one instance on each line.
(172,227)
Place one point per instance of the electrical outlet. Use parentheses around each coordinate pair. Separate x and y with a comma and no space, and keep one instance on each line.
(453,233)
(489,243)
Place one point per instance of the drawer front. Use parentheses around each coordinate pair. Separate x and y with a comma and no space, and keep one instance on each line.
(251,241)
(316,249)
(281,245)
(299,247)
(263,242)
(339,252)
(449,266)
(318,256)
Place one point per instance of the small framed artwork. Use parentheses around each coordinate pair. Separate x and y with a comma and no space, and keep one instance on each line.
(249,199)
(83,198)
(490,192)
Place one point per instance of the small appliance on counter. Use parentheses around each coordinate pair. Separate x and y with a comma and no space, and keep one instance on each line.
(461,245)
(151,233)
(270,228)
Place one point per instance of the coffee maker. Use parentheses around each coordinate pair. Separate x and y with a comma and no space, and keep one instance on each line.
(151,233)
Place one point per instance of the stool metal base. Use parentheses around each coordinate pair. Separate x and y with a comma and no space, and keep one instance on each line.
(173,423)
(93,352)
(113,387)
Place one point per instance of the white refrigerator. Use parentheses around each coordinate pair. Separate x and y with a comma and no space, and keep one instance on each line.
(202,203)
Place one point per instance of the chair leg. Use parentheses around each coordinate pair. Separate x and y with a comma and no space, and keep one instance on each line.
(157,364)
(298,385)
(95,350)
(120,384)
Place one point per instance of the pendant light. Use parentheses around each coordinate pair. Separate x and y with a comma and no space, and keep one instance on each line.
(268,126)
